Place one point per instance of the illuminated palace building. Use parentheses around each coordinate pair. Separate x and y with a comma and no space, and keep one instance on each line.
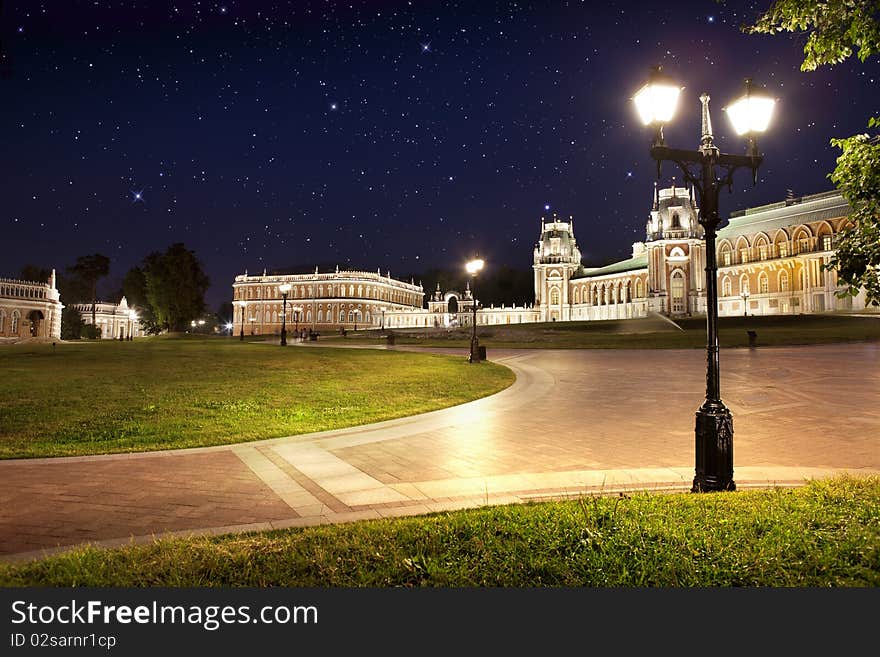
(29,310)
(324,301)
(769,262)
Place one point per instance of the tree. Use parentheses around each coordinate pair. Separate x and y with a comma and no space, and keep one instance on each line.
(836,30)
(174,287)
(89,270)
(35,273)
(134,287)
(71,323)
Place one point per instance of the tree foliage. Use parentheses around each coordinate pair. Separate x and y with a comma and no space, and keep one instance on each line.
(89,270)
(170,287)
(836,30)
(134,287)
(71,323)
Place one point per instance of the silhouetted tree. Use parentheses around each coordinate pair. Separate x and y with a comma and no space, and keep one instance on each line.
(89,270)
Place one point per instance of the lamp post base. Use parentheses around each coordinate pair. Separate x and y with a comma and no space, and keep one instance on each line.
(475,351)
(714,449)
(283,338)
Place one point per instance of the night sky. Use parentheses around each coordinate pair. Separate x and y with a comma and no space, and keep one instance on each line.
(393,135)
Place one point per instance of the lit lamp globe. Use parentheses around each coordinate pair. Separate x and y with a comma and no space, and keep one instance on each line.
(474,267)
(657,99)
(751,113)
(284,288)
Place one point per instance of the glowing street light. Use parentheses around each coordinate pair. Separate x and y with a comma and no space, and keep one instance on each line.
(474,267)
(132,315)
(655,103)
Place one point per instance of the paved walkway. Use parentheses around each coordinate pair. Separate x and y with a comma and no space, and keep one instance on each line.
(575,422)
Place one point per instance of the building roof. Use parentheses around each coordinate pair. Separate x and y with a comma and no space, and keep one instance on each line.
(816,207)
(638,262)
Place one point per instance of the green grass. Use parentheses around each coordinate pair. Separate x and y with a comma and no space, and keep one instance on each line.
(166,393)
(647,333)
(826,534)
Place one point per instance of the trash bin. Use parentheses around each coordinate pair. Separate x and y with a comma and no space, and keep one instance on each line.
(753,339)
(481,352)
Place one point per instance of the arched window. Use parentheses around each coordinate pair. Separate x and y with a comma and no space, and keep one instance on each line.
(350,316)
(744,285)
(341,316)
(676,222)
(274,317)
(309,316)
(351,290)
(763,283)
(320,316)
(554,297)
(2,320)
(726,256)
(783,281)
(639,288)
(577,295)
(15,317)
(726,287)
(676,285)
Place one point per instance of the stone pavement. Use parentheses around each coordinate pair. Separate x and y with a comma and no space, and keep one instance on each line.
(575,422)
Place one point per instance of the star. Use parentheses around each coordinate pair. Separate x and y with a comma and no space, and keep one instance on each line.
(546,206)
(334,107)
(137,196)
(426,47)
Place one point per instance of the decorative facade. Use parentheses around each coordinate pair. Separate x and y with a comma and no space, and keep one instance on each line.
(29,309)
(770,261)
(117,321)
(325,302)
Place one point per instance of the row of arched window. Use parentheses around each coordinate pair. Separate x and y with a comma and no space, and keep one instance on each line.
(781,246)
(376,292)
(600,294)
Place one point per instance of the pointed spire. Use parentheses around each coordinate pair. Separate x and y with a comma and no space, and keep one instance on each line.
(52,279)
(656,197)
(673,188)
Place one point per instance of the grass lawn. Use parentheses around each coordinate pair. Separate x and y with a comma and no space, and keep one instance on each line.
(647,333)
(165,393)
(824,534)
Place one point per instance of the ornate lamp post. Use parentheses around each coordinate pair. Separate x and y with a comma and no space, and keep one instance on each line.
(750,115)
(473,268)
(285,290)
(745,297)
(296,311)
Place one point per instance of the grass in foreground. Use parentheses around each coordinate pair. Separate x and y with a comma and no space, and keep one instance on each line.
(824,534)
(647,333)
(166,393)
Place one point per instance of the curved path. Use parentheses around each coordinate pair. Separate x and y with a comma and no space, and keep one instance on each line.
(574,422)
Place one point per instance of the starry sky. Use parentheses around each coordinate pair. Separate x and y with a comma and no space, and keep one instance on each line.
(376,134)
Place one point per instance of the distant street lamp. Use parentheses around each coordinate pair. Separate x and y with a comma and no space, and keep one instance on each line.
(383,319)
(251,320)
(229,326)
(357,316)
(745,297)
(285,290)
(296,312)
(473,268)
(750,115)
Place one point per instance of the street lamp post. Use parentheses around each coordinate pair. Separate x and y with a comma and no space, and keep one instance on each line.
(133,316)
(750,115)
(745,297)
(296,311)
(241,333)
(473,268)
(285,290)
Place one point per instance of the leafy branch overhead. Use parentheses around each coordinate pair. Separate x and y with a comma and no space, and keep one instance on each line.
(836,29)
